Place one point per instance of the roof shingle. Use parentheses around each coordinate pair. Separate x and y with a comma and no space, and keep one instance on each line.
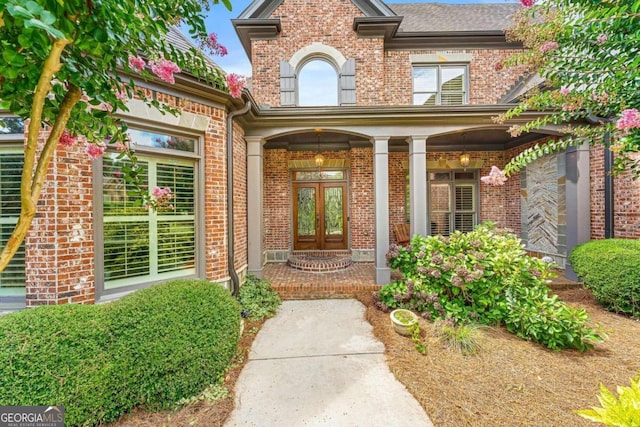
(428,17)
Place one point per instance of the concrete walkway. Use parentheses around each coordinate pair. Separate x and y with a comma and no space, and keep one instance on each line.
(317,363)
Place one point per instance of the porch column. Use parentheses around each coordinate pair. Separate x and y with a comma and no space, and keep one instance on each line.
(254,205)
(418,185)
(578,196)
(381,201)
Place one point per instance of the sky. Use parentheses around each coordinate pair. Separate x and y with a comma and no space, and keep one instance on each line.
(219,22)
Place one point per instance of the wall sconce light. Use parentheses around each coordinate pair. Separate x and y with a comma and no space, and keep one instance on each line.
(465,160)
(318,158)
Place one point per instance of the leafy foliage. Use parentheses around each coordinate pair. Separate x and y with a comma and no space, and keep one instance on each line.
(588,55)
(623,411)
(609,268)
(152,348)
(258,299)
(485,277)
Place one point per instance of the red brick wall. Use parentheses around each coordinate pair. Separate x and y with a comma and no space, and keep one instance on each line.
(362,195)
(626,202)
(277,200)
(239,197)
(382,77)
(486,85)
(59,255)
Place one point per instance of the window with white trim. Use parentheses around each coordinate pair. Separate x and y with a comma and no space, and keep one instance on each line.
(440,85)
(12,279)
(141,245)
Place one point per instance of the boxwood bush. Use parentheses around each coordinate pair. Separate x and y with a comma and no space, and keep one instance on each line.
(151,349)
(610,268)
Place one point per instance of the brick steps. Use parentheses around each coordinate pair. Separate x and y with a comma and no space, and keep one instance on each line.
(320,261)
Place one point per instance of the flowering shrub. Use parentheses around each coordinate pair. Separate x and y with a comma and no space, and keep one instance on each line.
(483,276)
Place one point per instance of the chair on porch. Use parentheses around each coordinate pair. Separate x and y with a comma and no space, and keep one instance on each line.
(402,234)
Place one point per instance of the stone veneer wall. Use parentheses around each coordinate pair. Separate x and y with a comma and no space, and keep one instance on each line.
(59,248)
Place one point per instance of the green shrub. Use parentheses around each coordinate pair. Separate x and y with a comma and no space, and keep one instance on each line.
(151,348)
(258,299)
(615,412)
(610,269)
(481,277)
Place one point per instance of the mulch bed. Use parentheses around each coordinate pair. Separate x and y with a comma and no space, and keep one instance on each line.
(510,382)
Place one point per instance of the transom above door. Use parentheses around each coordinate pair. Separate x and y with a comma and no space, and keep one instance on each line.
(319,210)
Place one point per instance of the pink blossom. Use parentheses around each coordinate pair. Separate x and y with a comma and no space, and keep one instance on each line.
(495,177)
(565,90)
(217,48)
(164,69)
(602,38)
(159,193)
(498,66)
(122,95)
(66,139)
(549,46)
(120,146)
(117,174)
(568,106)
(527,3)
(604,98)
(136,63)
(630,119)
(236,84)
(95,151)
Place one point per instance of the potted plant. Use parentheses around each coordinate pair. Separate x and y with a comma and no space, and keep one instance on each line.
(402,320)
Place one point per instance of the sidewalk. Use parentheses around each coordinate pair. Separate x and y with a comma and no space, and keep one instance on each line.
(316,363)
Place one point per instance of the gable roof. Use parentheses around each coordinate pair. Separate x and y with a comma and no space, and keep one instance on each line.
(262,9)
(184,44)
(440,17)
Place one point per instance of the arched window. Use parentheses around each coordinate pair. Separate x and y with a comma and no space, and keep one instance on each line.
(317,84)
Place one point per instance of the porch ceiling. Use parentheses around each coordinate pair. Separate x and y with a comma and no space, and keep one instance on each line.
(471,140)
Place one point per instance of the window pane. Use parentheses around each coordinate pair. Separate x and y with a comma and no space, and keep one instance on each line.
(440,223)
(425,79)
(424,98)
(318,175)
(158,140)
(452,98)
(452,79)
(126,250)
(180,179)
(306,211)
(317,84)
(117,198)
(439,176)
(13,277)
(464,198)
(333,211)
(176,245)
(10,125)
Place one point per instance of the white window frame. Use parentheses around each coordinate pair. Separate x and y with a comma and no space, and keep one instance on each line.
(453,183)
(439,68)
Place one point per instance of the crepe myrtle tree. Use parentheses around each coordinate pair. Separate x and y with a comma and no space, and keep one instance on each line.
(588,53)
(68,66)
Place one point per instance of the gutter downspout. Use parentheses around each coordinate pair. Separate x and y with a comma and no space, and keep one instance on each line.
(608,189)
(609,230)
(235,280)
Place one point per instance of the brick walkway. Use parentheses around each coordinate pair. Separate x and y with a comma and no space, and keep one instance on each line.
(295,284)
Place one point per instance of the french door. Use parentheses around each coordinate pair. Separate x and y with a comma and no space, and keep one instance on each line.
(319,216)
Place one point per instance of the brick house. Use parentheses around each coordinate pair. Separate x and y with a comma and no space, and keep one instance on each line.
(360,116)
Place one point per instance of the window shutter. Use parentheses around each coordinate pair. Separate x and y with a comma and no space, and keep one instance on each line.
(287,85)
(348,83)
(465,214)
(13,277)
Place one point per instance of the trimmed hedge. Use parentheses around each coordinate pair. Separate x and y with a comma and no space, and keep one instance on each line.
(151,349)
(610,268)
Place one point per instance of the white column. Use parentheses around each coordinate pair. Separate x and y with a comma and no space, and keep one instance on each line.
(381,201)
(254,205)
(418,185)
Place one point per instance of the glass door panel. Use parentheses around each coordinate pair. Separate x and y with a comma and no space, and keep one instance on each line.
(440,201)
